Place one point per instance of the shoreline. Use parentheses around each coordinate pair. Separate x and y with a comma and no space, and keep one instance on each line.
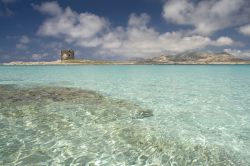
(90,62)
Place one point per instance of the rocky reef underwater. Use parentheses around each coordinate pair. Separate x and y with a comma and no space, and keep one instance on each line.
(42,125)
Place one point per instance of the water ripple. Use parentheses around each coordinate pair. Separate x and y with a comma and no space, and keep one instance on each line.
(69,126)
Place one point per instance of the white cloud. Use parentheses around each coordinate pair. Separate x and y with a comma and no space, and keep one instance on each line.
(222,41)
(245,30)
(137,39)
(207,16)
(70,25)
(239,53)
(51,8)
(23,41)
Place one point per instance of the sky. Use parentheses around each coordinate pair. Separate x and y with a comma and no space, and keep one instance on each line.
(36,30)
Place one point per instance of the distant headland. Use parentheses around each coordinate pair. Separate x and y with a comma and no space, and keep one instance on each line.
(67,57)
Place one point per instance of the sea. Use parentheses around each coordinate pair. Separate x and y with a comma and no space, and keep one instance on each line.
(124,115)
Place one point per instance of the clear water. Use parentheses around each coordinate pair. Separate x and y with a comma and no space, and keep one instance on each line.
(125,115)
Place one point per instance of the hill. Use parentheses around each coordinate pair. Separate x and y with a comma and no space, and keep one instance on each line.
(198,58)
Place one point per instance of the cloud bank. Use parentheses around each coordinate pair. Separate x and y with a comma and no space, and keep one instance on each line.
(207,16)
(137,39)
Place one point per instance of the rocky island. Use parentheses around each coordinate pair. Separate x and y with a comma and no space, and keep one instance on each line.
(198,58)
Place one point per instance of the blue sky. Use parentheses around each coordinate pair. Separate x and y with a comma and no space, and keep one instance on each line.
(35,30)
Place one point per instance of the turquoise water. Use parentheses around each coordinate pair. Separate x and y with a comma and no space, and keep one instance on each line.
(125,115)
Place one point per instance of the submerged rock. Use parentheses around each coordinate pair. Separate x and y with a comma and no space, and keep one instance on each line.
(60,126)
(96,104)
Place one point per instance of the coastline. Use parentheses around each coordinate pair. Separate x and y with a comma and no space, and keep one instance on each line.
(92,62)
(74,62)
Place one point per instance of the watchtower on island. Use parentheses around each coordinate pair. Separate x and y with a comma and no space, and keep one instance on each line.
(67,54)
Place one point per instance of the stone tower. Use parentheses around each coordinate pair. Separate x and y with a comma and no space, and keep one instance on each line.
(67,54)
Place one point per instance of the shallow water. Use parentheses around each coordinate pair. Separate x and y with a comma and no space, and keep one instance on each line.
(125,115)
